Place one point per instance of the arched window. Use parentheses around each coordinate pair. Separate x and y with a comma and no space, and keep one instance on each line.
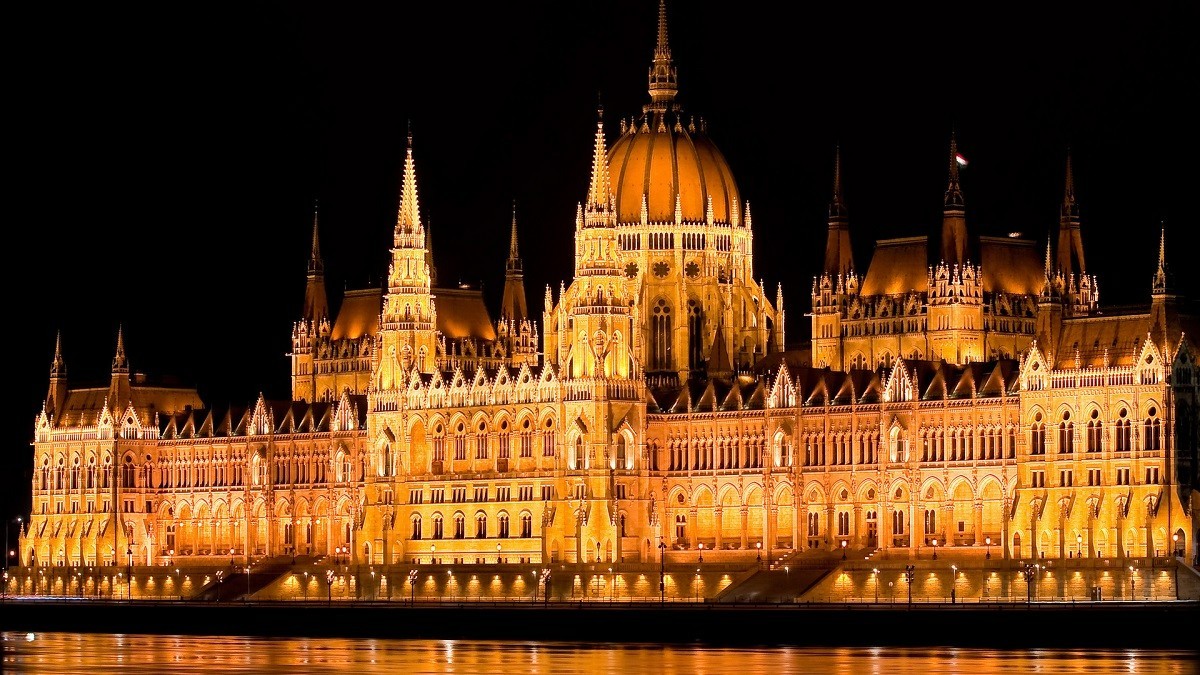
(1066,434)
(480,526)
(502,526)
(438,455)
(660,336)
(1037,436)
(898,523)
(623,534)
(503,441)
(1124,431)
(695,325)
(460,442)
(930,521)
(437,526)
(681,529)
(1095,432)
(460,526)
(416,527)
(1152,431)
(621,451)
(577,457)
(481,451)
(526,525)
(549,439)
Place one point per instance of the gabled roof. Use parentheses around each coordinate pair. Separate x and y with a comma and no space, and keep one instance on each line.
(898,266)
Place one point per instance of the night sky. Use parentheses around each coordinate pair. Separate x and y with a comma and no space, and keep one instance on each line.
(164,158)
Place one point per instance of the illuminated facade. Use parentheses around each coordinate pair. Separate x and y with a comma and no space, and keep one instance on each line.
(967,392)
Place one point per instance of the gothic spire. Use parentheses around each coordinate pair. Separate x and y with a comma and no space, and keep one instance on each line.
(119,365)
(1070,241)
(408,219)
(600,196)
(513,307)
(954,216)
(663,83)
(514,255)
(57,367)
(315,264)
(954,195)
(838,257)
(1162,276)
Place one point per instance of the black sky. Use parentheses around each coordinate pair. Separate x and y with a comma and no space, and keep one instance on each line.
(164,157)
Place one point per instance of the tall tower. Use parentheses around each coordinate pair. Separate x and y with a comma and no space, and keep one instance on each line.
(316,303)
(514,308)
(57,394)
(313,324)
(409,320)
(955,248)
(663,83)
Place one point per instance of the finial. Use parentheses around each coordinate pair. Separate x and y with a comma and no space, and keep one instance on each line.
(709,215)
(56,366)
(1048,272)
(645,212)
(410,133)
(661,45)
(749,223)
(1161,274)
(678,210)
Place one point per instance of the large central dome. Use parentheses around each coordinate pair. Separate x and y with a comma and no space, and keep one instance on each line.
(669,162)
(664,158)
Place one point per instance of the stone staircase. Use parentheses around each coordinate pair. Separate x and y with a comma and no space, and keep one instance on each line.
(238,584)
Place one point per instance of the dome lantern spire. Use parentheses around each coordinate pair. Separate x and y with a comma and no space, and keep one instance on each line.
(600,197)
(663,83)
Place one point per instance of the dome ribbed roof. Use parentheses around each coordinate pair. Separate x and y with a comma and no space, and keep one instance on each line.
(661,158)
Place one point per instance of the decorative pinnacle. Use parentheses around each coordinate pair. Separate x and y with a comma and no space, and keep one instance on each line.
(1070,209)
(954,195)
(513,253)
(1048,268)
(1161,275)
(409,216)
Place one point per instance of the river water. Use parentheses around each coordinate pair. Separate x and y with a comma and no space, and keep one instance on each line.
(134,654)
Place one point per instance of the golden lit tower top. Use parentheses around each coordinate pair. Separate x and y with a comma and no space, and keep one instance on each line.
(663,83)
(599,209)
(409,232)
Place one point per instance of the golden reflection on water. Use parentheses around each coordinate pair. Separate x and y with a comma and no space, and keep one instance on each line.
(135,654)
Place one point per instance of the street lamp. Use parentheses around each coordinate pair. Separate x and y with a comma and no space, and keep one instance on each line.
(875,576)
(546,582)
(843,549)
(988,541)
(935,549)
(909,572)
(1079,545)
(1132,579)
(412,587)
(497,554)
(328,585)
(247,584)
(432,550)
(1178,553)
(758,545)
(1175,544)
(306,587)
(701,551)
(662,567)
(953,583)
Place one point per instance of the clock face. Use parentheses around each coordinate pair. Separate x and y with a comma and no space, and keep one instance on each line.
(692,270)
(631,270)
(661,269)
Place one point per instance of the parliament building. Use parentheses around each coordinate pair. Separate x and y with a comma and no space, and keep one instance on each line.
(958,393)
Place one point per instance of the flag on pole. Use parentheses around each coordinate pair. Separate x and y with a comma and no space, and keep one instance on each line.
(962,161)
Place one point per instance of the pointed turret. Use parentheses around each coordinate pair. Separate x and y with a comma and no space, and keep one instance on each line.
(316,302)
(57,394)
(954,215)
(513,307)
(599,200)
(408,218)
(663,83)
(119,393)
(838,256)
(1070,243)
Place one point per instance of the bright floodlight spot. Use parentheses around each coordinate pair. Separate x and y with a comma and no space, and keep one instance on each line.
(29,637)
(1014,235)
